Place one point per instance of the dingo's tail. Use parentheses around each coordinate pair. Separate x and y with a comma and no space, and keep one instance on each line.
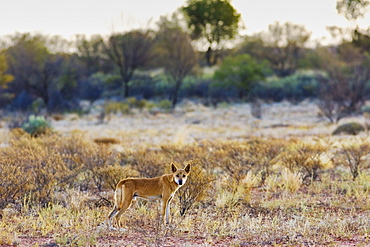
(118,203)
(118,197)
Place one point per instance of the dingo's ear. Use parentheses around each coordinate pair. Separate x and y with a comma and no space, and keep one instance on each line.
(187,168)
(173,168)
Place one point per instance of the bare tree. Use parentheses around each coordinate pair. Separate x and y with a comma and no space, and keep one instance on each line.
(344,90)
(178,55)
(92,54)
(130,51)
(283,45)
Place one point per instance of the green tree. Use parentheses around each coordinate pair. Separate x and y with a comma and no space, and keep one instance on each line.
(361,39)
(283,46)
(38,71)
(92,54)
(129,52)
(241,71)
(178,56)
(213,20)
(352,9)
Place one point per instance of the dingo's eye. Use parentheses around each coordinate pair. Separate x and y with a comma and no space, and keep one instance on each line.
(177,175)
(183,176)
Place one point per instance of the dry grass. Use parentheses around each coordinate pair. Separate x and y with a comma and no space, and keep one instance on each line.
(248,190)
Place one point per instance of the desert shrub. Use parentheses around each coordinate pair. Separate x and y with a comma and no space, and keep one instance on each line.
(287,180)
(112,174)
(12,178)
(135,103)
(256,155)
(197,185)
(296,87)
(116,107)
(165,105)
(354,155)
(18,133)
(74,149)
(307,158)
(31,168)
(37,125)
(141,104)
(234,160)
(185,153)
(264,154)
(351,128)
(97,166)
(231,192)
(131,101)
(291,181)
(149,105)
(148,164)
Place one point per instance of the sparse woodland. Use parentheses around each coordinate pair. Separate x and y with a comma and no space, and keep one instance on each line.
(276,130)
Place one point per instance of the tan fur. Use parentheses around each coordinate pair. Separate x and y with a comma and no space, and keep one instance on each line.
(163,187)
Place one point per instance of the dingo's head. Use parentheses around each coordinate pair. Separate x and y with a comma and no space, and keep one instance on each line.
(180,175)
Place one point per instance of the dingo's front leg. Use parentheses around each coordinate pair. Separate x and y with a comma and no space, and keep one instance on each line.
(166,209)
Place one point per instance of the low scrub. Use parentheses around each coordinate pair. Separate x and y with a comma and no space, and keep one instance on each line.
(36,126)
(352,128)
(248,191)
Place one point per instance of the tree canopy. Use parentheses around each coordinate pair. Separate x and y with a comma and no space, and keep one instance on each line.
(178,55)
(130,51)
(213,20)
(241,71)
(352,9)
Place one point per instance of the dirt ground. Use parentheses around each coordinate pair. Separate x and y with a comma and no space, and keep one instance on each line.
(192,123)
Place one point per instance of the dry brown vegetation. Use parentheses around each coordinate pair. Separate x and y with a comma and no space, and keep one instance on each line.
(298,189)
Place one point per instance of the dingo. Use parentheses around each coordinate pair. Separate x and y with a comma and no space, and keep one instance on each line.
(163,187)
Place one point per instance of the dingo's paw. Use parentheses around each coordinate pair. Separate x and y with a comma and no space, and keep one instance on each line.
(112,228)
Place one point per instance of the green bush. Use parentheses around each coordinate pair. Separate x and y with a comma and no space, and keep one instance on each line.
(365,109)
(165,105)
(133,102)
(36,126)
(116,107)
(351,128)
(295,87)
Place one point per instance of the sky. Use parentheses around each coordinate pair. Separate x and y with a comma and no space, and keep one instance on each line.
(70,17)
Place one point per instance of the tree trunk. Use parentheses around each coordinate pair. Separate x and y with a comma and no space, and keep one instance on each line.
(127,93)
(208,56)
(176,93)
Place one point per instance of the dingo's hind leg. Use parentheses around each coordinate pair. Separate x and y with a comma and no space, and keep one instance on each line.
(111,215)
(123,206)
